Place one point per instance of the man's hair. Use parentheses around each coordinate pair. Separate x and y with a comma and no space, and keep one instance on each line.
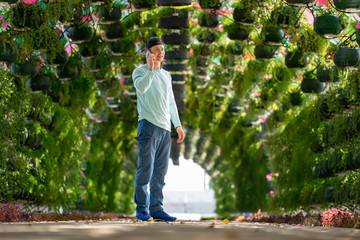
(153,41)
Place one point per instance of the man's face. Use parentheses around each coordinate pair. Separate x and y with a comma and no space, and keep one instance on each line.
(158,51)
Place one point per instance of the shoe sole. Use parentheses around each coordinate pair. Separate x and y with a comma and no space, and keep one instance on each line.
(162,220)
(139,220)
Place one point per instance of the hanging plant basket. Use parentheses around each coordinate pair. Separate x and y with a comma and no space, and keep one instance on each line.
(236,32)
(213,4)
(107,17)
(328,26)
(122,47)
(71,15)
(263,52)
(99,2)
(235,48)
(8,52)
(170,3)
(25,69)
(9,1)
(26,16)
(202,62)
(281,16)
(209,20)
(91,49)
(173,22)
(273,36)
(59,60)
(41,83)
(114,33)
(347,5)
(300,3)
(324,74)
(207,37)
(32,140)
(178,67)
(143,4)
(296,60)
(80,33)
(347,58)
(244,16)
(312,85)
(177,55)
(295,98)
(176,39)
(178,78)
(68,72)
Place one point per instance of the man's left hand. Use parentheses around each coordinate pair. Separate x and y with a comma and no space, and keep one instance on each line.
(181,134)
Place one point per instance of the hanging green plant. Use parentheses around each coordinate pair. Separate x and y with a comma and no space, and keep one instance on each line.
(263,52)
(209,20)
(283,16)
(245,12)
(300,3)
(310,84)
(110,15)
(93,48)
(347,5)
(69,71)
(8,51)
(59,59)
(69,14)
(210,4)
(296,59)
(328,25)
(347,58)
(325,74)
(114,32)
(143,4)
(80,33)
(273,36)
(295,98)
(235,48)
(121,47)
(309,42)
(40,83)
(26,16)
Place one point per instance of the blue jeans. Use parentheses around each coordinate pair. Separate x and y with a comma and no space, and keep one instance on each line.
(153,157)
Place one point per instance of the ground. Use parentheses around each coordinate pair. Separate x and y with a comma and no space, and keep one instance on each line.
(200,230)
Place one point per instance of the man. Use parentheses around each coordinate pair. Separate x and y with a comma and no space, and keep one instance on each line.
(156,106)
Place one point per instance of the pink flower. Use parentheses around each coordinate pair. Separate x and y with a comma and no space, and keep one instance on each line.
(1,17)
(321,2)
(4,25)
(269,176)
(83,174)
(272,193)
(358,25)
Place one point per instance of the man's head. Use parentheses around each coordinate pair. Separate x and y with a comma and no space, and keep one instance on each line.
(156,46)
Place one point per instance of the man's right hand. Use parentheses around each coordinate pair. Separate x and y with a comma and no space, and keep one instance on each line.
(150,61)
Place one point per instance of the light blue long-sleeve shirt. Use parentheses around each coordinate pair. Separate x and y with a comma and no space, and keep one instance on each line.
(156,102)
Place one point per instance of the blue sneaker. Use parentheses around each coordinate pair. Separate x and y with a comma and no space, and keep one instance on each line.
(163,216)
(143,216)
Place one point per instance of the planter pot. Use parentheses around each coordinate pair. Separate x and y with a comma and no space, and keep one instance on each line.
(67,72)
(210,20)
(113,103)
(178,78)
(9,1)
(357,161)
(106,17)
(91,49)
(60,59)
(71,15)
(273,36)
(173,22)
(26,16)
(329,195)
(347,5)
(175,67)
(295,99)
(177,55)
(316,147)
(238,33)
(343,98)
(329,26)
(126,73)
(8,53)
(300,3)
(263,52)
(80,34)
(176,39)
(202,63)
(143,4)
(114,33)
(121,47)
(25,69)
(100,2)
(173,2)
(324,109)
(312,85)
(244,16)
(40,83)
(207,37)
(296,60)
(33,140)
(324,74)
(347,58)
(214,4)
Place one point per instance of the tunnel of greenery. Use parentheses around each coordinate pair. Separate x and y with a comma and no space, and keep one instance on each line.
(268,94)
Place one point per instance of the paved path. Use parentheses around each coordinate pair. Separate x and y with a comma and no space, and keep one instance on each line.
(211,230)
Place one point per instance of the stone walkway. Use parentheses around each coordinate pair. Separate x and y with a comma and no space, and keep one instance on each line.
(128,230)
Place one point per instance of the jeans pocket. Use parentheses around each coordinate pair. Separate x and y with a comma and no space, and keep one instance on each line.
(145,130)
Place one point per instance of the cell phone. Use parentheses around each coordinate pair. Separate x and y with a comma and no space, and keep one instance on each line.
(147,53)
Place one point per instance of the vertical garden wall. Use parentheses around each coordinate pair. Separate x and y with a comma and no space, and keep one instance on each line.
(267,91)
